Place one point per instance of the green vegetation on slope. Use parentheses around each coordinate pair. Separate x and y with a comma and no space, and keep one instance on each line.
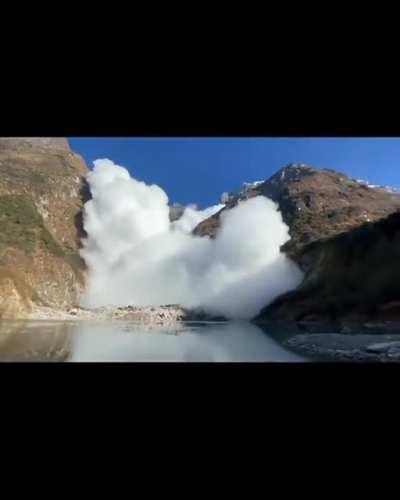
(22,227)
(20,223)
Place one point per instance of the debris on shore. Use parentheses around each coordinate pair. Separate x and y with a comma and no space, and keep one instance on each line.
(148,315)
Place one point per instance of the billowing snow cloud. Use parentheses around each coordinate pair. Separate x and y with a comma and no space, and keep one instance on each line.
(135,255)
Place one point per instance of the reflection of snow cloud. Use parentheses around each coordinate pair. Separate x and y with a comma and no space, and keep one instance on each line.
(230,342)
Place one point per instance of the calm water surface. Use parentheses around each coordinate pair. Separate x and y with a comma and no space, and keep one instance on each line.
(129,342)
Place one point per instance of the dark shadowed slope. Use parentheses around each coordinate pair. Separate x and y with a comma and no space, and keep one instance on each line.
(353,276)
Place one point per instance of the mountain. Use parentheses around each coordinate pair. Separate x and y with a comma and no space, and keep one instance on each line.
(176,211)
(315,203)
(344,236)
(350,277)
(388,189)
(42,191)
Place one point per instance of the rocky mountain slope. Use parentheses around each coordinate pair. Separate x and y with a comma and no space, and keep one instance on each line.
(344,238)
(42,191)
(352,277)
(314,203)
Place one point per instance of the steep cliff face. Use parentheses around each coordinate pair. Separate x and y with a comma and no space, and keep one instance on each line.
(331,218)
(351,277)
(42,191)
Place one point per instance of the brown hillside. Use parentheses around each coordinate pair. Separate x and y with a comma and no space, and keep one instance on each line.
(42,190)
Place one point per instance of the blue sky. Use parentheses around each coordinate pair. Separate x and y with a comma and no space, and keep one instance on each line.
(198,170)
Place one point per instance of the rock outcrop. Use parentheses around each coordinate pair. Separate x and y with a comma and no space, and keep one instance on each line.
(176,211)
(42,191)
(343,236)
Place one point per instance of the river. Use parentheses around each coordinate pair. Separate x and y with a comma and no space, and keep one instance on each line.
(88,341)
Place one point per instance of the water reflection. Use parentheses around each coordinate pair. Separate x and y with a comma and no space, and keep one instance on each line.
(35,341)
(91,342)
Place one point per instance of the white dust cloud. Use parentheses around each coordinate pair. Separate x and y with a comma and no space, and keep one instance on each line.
(136,256)
(191,217)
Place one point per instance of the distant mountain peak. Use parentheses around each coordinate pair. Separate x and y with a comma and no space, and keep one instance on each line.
(388,189)
(315,202)
(292,172)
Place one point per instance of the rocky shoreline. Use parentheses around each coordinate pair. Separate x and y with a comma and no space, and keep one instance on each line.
(346,347)
(146,315)
(325,342)
(338,341)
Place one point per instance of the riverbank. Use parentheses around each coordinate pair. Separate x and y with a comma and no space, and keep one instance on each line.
(354,342)
(160,315)
(362,347)
(333,341)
